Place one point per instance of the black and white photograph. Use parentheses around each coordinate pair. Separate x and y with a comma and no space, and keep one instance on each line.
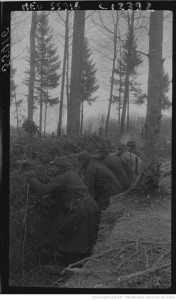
(90,142)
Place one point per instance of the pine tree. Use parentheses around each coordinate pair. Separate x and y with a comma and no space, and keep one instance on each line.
(89,82)
(119,82)
(141,98)
(166,104)
(47,66)
(131,59)
(13,86)
(13,98)
(134,91)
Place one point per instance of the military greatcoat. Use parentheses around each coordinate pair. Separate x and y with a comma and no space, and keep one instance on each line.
(101,183)
(78,216)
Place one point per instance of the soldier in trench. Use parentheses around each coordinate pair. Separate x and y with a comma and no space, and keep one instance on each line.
(101,182)
(131,147)
(114,163)
(76,225)
(131,162)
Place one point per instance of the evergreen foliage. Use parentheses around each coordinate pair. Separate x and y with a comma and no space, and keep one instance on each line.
(166,104)
(130,58)
(140,97)
(89,82)
(47,63)
(13,86)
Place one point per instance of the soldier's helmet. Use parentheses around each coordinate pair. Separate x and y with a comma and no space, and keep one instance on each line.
(120,147)
(103,149)
(131,144)
(61,161)
(83,156)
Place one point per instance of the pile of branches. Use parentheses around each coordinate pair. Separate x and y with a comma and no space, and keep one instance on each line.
(136,264)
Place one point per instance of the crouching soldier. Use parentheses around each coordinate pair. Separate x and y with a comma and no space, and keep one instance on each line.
(115,165)
(131,162)
(76,225)
(101,182)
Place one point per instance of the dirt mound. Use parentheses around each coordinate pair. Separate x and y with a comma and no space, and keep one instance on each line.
(45,148)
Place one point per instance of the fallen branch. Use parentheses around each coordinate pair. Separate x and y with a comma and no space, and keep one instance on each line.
(140,241)
(124,194)
(147,259)
(79,262)
(77,271)
(21,145)
(126,260)
(141,273)
(161,257)
(61,279)
(69,268)
(70,143)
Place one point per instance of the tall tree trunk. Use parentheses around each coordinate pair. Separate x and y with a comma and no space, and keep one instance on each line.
(67,74)
(125,100)
(127,78)
(46,106)
(63,76)
(45,118)
(73,125)
(149,175)
(112,77)
(120,84)
(16,107)
(82,117)
(41,103)
(32,66)
(128,114)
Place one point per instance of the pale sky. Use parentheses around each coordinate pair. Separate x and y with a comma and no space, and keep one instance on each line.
(101,46)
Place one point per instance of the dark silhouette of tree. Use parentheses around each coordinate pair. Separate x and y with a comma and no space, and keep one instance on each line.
(32,66)
(47,66)
(63,72)
(13,97)
(113,72)
(141,98)
(89,83)
(166,104)
(74,104)
(149,179)
(131,59)
(13,86)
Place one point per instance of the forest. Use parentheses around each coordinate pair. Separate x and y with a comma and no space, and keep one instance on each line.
(80,80)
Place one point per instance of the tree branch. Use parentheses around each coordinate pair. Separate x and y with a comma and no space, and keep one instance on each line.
(137,51)
(141,273)
(141,27)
